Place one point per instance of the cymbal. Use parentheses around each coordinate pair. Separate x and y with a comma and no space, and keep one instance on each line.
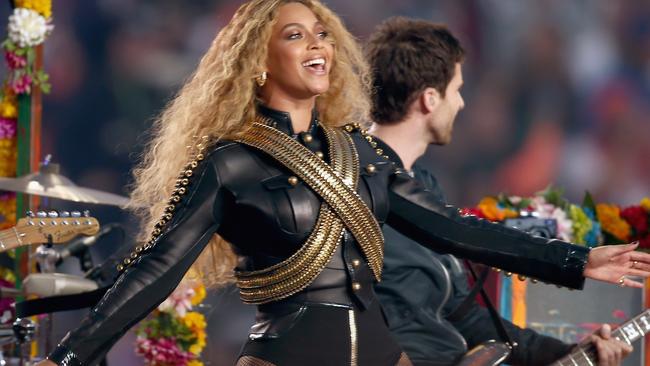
(49,183)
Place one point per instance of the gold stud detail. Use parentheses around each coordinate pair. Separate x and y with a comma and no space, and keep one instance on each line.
(319,154)
(379,151)
(156,232)
(134,255)
(138,249)
(349,128)
(371,169)
(356,262)
(127,261)
(181,191)
(308,138)
(533,280)
(120,268)
(293,180)
(188,173)
(200,157)
(369,138)
(373,144)
(508,274)
(521,277)
(356,286)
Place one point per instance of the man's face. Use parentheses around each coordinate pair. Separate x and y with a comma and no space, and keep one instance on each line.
(444,115)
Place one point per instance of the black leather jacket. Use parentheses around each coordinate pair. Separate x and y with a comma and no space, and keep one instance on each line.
(246,197)
(420,287)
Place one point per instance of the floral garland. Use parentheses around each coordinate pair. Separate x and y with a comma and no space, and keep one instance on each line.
(588,224)
(174,335)
(29,25)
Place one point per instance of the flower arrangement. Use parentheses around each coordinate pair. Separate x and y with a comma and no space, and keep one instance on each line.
(29,25)
(174,334)
(587,224)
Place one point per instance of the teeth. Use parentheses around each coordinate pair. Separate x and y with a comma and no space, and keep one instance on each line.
(316,61)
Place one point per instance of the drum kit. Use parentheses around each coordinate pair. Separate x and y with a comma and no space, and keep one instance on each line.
(47,228)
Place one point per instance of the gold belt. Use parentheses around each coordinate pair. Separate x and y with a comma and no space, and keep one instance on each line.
(342,208)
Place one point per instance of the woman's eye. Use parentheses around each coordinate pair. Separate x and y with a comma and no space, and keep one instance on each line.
(295,35)
(323,34)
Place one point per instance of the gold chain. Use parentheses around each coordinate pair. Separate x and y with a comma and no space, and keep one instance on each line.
(333,184)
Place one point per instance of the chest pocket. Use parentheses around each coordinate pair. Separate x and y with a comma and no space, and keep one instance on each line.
(295,204)
(373,188)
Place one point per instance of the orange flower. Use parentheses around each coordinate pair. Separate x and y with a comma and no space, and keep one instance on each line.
(610,218)
(490,208)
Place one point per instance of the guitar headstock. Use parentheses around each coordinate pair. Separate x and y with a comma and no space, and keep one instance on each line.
(54,227)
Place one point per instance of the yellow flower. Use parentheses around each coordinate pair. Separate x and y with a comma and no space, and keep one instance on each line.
(195,363)
(8,109)
(199,294)
(195,321)
(490,208)
(610,218)
(645,203)
(43,7)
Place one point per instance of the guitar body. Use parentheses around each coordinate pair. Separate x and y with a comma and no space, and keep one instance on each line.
(490,353)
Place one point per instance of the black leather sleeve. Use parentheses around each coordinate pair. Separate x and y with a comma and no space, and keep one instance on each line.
(149,281)
(416,213)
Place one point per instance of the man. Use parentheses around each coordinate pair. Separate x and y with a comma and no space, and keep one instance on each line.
(417,77)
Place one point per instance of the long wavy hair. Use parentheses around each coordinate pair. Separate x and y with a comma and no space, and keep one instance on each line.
(219,101)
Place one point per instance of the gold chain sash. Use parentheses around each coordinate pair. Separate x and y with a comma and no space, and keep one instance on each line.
(342,208)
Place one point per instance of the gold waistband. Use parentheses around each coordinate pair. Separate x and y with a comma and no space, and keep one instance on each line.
(342,208)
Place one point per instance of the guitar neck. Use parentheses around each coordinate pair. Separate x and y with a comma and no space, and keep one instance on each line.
(10,239)
(629,332)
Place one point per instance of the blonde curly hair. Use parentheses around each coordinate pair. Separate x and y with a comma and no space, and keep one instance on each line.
(218,101)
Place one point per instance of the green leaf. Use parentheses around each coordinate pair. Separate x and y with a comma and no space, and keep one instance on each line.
(20,51)
(8,45)
(589,202)
(31,56)
(45,88)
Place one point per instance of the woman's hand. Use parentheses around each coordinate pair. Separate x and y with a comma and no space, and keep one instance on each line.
(614,263)
(45,363)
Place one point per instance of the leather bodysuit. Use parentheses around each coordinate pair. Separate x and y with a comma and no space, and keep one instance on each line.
(256,204)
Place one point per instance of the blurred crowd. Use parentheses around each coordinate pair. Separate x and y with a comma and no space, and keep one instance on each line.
(556,91)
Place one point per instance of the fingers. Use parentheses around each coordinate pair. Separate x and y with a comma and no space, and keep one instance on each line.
(616,250)
(626,282)
(605,331)
(610,351)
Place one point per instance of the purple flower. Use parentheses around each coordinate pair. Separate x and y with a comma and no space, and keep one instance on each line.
(7,128)
(14,61)
(22,84)
(162,351)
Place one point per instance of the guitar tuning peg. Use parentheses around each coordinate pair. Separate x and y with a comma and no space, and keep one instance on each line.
(30,214)
(75,214)
(86,213)
(64,214)
(41,214)
(52,214)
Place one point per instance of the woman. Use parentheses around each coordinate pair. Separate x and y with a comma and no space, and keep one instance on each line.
(299,200)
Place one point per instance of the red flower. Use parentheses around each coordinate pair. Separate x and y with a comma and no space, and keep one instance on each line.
(472,212)
(637,217)
(14,61)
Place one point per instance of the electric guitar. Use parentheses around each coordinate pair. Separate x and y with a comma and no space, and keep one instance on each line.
(493,353)
(47,227)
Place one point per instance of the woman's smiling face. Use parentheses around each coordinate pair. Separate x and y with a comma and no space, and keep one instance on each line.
(300,54)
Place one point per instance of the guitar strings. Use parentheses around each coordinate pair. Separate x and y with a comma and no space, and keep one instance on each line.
(10,233)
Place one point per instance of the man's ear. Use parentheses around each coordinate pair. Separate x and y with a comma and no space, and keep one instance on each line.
(430,98)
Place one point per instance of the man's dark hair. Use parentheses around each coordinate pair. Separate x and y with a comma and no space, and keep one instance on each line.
(407,56)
